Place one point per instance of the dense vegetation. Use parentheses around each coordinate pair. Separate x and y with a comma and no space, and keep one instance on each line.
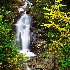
(8,51)
(53,22)
(55,16)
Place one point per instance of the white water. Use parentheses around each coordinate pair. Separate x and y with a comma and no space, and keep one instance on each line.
(23,30)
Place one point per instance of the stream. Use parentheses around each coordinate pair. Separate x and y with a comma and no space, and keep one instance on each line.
(23,30)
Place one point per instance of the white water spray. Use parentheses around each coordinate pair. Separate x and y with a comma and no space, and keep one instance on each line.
(23,30)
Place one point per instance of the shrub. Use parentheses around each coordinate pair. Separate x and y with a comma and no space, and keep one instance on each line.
(8,52)
(54,16)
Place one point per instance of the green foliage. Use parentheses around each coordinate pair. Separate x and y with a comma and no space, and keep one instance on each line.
(38,13)
(8,52)
(9,55)
(58,21)
(55,17)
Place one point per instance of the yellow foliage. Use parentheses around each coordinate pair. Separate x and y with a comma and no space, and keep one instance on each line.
(39,45)
(61,44)
(62,29)
(58,1)
(48,25)
(11,60)
(68,34)
(1,16)
(36,0)
(50,49)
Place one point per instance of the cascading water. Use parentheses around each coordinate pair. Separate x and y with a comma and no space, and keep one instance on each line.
(23,30)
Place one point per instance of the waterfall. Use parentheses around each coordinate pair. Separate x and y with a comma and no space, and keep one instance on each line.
(23,30)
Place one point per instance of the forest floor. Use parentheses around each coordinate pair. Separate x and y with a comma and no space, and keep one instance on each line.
(37,63)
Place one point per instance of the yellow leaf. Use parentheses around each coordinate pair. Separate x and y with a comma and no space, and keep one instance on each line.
(38,44)
(36,0)
(60,44)
(58,1)
(62,29)
(48,25)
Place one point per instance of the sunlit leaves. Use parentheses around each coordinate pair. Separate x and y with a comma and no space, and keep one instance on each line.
(7,50)
(57,20)
(59,37)
(1,16)
(58,1)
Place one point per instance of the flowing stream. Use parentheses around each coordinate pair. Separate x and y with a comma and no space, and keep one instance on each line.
(23,30)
